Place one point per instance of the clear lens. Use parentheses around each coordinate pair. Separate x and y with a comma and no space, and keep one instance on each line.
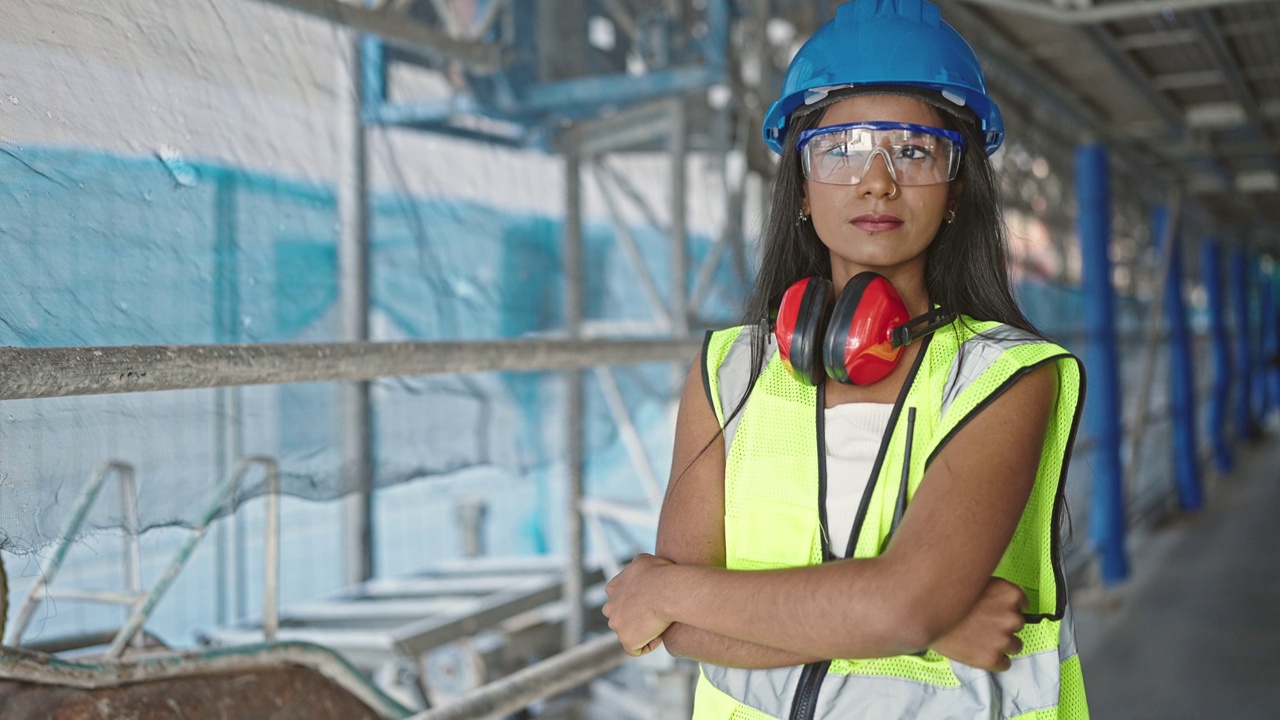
(915,154)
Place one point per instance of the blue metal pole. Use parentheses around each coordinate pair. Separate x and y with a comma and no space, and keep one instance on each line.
(1266,368)
(1182,390)
(1273,358)
(1220,401)
(1245,428)
(1102,409)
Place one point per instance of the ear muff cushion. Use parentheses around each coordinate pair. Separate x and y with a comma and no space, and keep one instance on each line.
(859,348)
(802,318)
(835,345)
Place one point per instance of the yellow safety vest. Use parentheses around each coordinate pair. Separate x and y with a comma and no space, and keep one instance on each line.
(774,490)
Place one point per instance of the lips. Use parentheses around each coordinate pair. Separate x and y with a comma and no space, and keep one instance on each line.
(873,223)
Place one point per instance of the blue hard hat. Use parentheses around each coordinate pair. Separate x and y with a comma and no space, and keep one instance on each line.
(886,42)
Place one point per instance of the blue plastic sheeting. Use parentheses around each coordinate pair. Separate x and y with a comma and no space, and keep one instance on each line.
(108,250)
(1270,340)
(1220,400)
(1245,397)
(1102,404)
(1182,389)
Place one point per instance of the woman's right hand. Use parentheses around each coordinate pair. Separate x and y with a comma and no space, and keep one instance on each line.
(985,637)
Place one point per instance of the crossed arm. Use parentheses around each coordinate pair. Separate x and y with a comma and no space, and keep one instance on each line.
(931,588)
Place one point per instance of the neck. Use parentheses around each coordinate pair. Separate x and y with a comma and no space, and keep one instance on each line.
(908,280)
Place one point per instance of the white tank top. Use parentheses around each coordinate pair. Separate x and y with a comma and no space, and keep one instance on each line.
(853,435)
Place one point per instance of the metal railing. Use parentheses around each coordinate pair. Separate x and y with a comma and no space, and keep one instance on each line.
(132,551)
(554,675)
(60,372)
(142,604)
(271,563)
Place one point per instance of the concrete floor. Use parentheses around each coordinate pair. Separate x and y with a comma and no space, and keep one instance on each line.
(1196,632)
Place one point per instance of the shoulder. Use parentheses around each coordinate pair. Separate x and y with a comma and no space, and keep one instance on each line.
(979,361)
(973,346)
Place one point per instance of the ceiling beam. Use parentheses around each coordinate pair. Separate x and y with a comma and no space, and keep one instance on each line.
(1162,38)
(1111,12)
(1230,68)
(1188,80)
(1137,78)
(1054,104)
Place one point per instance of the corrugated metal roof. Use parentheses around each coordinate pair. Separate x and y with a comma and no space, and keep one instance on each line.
(1195,88)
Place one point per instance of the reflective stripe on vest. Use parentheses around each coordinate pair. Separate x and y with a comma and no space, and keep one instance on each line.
(1030,684)
(772,520)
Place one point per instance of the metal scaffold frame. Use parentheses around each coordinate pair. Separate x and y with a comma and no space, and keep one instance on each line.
(588,120)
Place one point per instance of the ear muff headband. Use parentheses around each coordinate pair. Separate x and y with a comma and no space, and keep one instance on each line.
(934,319)
(859,346)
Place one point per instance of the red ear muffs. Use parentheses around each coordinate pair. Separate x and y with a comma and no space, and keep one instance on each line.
(859,347)
(857,342)
(802,318)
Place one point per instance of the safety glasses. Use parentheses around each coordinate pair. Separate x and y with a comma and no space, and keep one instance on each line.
(915,154)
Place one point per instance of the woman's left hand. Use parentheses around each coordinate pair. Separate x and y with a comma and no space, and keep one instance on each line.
(633,605)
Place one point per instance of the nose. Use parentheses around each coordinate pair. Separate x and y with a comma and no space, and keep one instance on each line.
(878,179)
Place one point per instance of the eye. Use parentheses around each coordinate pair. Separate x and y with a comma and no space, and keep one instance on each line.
(915,152)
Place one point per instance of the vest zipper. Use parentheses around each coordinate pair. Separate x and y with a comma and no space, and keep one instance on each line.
(806,701)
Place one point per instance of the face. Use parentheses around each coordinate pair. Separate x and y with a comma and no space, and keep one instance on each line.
(878,224)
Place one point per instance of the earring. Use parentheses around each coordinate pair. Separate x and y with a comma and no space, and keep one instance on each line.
(803,218)
(950,216)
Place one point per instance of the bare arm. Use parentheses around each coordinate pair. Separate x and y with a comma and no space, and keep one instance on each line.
(950,541)
(691,529)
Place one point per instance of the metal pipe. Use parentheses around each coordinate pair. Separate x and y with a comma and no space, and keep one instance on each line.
(575,446)
(52,565)
(61,372)
(1102,411)
(225,402)
(678,146)
(554,675)
(271,548)
(110,597)
(132,542)
(630,437)
(353,301)
(145,605)
(632,251)
(1163,223)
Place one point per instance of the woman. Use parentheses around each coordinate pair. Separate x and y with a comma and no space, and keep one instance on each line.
(880,539)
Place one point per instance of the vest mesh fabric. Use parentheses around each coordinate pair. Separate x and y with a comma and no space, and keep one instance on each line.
(714,705)
(757,513)
(771,493)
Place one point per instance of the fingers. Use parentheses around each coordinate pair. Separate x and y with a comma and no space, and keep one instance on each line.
(1015,646)
(644,649)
